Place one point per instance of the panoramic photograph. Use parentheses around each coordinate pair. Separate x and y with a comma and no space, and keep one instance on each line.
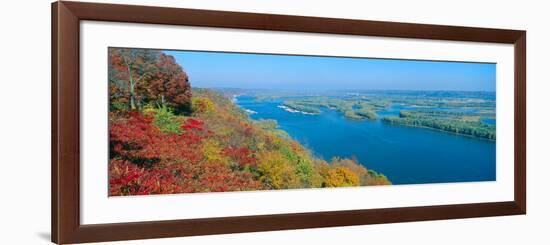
(203,121)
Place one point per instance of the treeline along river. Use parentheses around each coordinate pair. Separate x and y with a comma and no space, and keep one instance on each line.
(406,155)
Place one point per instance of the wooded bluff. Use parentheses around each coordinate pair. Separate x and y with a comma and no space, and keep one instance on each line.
(165,137)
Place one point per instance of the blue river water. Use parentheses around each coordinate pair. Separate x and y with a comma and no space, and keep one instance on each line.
(406,155)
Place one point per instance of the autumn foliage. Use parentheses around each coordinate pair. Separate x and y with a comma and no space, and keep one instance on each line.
(146,161)
(138,77)
(172,140)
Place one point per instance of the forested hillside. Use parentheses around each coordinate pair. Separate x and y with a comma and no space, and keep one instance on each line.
(168,138)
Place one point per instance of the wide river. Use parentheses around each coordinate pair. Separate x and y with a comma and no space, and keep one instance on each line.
(406,155)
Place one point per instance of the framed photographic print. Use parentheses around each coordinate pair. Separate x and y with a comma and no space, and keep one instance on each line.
(177,122)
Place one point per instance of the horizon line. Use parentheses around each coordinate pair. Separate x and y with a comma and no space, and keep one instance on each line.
(349,90)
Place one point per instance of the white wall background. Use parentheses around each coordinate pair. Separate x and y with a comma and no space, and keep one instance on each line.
(25,121)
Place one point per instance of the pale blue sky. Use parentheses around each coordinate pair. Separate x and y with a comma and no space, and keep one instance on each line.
(263,71)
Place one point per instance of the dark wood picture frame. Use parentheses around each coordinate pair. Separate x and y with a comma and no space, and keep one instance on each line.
(65,181)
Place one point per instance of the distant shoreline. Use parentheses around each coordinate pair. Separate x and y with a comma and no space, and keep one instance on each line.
(439,130)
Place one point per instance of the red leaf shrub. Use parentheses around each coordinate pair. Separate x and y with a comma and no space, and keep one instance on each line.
(192,123)
(145,160)
(218,177)
(126,178)
(243,156)
(140,142)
